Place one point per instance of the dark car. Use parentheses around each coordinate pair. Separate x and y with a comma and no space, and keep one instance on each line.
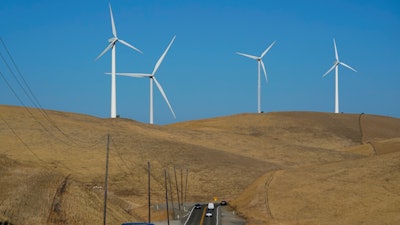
(224,203)
(197,206)
(137,223)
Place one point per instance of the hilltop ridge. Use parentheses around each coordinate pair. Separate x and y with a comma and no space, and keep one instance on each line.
(61,158)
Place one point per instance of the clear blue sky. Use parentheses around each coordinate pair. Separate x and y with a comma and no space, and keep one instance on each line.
(54,44)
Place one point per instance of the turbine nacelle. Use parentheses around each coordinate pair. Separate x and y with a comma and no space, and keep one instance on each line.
(111,46)
(335,66)
(260,65)
(113,39)
(153,79)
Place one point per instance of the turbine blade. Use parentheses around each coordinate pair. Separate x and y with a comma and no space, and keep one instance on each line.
(105,50)
(114,30)
(336,53)
(129,45)
(248,56)
(265,72)
(164,95)
(139,75)
(344,64)
(334,65)
(266,50)
(162,57)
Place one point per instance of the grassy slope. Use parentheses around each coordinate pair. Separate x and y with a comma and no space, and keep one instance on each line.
(353,191)
(223,156)
(362,191)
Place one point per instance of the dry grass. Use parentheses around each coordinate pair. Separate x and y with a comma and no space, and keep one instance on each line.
(311,168)
(363,191)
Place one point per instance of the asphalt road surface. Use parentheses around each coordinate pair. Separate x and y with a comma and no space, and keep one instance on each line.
(198,216)
(222,215)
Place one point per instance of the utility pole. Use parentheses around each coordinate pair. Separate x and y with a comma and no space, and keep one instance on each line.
(187,174)
(171,193)
(177,191)
(166,193)
(182,189)
(106,183)
(148,178)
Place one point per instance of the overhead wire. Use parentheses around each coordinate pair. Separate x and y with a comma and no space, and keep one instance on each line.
(143,167)
(21,140)
(35,101)
(30,95)
(120,157)
(31,113)
(23,84)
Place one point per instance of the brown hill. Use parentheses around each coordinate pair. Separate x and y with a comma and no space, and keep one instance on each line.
(53,164)
(362,191)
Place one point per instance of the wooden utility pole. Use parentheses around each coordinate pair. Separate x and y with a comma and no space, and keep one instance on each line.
(166,194)
(148,178)
(171,193)
(106,183)
(187,174)
(177,191)
(182,189)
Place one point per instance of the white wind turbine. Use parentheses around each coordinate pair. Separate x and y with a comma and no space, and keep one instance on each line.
(153,78)
(111,46)
(260,64)
(335,66)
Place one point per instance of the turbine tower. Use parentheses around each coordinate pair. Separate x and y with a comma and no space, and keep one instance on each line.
(153,78)
(260,64)
(335,66)
(112,41)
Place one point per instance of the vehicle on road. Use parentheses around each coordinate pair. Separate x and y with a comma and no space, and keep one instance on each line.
(223,202)
(209,213)
(197,206)
(137,223)
(210,205)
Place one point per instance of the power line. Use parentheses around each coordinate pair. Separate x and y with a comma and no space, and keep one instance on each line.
(20,139)
(28,110)
(129,167)
(31,96)
(35,101)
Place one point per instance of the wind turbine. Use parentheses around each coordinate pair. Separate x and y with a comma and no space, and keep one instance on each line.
(335,66)
(112,41)
(153,78)
(260,64)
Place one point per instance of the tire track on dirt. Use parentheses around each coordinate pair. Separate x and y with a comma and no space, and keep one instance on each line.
(57,215)
(373,148)
(267,186)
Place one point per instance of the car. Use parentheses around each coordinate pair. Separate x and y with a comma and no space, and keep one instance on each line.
(209,213)
(137,223)
(224,203)
(197,206)
(210,206)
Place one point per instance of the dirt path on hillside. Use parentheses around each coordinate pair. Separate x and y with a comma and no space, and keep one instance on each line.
(267,187)
(57,216)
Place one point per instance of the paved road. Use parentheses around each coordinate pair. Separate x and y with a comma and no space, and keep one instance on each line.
(229,217)
(223,215)
(197,216)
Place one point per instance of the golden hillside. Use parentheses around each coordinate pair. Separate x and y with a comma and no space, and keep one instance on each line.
(52,166)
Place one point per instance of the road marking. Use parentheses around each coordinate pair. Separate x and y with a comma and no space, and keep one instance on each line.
(217,223)
(202,216)
(190,214)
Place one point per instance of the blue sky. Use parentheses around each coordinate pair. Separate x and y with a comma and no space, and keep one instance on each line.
(54,44)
